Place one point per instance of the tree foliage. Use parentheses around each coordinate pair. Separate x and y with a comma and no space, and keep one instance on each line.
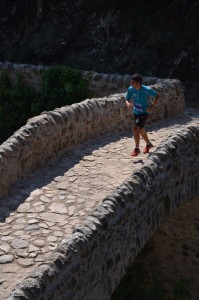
(19,101)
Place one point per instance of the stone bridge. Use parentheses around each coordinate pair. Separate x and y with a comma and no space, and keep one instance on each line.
(76,208)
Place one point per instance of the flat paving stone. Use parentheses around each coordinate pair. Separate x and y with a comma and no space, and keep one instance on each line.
(19,244)
(43,209)
(6,259)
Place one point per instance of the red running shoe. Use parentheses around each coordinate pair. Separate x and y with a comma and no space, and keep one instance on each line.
(147,148)
(135,152)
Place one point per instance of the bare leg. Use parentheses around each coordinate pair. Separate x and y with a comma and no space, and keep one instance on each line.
(144,135)
(136,134)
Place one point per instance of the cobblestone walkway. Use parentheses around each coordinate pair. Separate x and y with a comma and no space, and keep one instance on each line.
(42,209)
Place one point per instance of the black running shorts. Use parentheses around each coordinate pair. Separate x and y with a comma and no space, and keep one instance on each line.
(140,120)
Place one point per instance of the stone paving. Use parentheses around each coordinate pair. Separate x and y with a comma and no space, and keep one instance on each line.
(43,208)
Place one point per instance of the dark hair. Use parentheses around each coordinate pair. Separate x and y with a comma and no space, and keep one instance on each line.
(137,78)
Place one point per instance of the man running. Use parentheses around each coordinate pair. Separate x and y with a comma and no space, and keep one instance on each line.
(138,97)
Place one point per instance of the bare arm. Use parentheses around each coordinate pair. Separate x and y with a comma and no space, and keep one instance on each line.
(129,104)
(155,101)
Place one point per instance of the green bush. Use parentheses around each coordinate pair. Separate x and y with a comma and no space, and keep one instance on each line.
(15,104)
(18,101)
(61,86)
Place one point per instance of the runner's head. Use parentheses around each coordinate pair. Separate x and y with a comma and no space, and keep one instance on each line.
(137,78)
(136,81)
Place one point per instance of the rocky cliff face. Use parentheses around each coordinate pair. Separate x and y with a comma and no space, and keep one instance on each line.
(156,39)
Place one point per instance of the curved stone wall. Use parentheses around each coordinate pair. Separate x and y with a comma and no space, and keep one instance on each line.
(31,73)
(92,262)
(106,84)
(100,84)
(44,136)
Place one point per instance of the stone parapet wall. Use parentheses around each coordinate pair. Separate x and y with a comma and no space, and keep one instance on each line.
(106,84)
(44,136)
(92,262)
(100,84)
(31,73)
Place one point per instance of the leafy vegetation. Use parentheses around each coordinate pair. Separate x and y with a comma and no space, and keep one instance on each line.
(19,101)
(63,86)
(15,104)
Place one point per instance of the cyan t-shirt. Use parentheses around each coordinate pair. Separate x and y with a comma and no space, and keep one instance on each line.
(140,98)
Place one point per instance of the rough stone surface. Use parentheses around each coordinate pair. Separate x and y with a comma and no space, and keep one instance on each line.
(100,84)
(86,209)
(26,150)
(6,259)
(96,179)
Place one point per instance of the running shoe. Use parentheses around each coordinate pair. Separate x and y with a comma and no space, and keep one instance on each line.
(135,152)
(147,148)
